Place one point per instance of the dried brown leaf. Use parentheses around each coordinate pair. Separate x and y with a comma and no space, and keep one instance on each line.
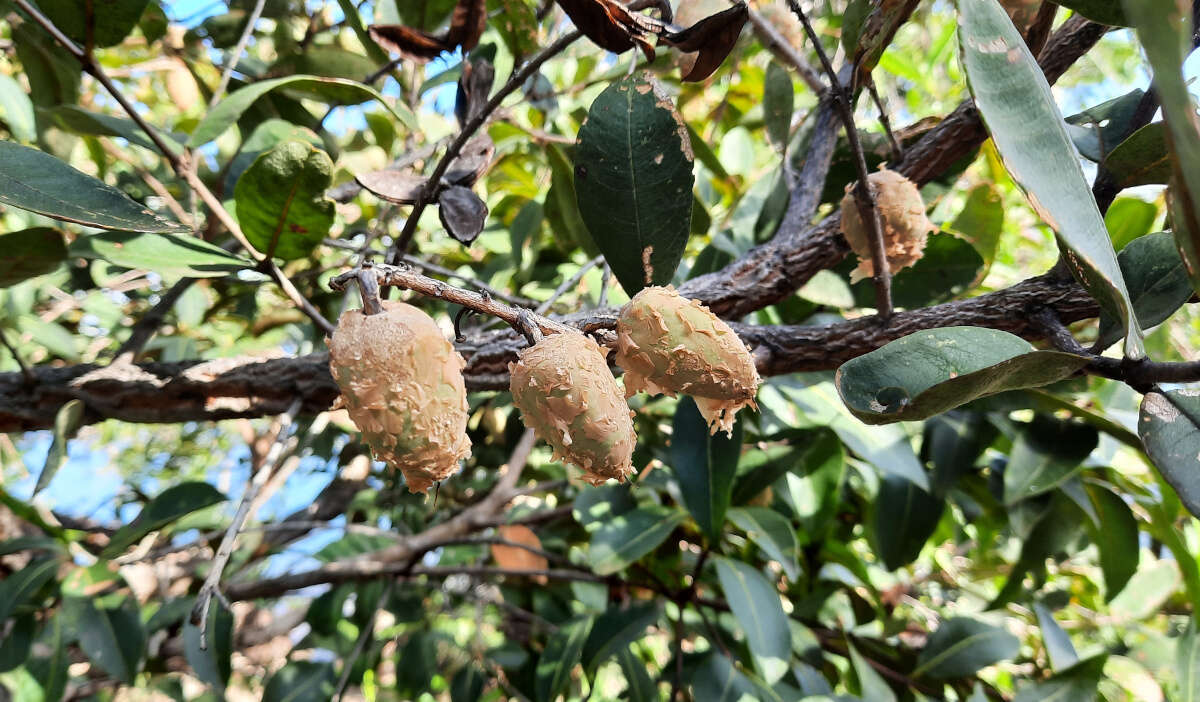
(462,213)
(472,162)
(406,41)
(712,38)
(467,24)
(403,187)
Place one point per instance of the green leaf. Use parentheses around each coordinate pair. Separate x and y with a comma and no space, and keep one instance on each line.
(1147,591)
(29,253)
(929,372)
(1105,125)
(1059,648)
(905,516)
(301,681)
(1141,159)
(170,504)
(66,424)
(639,686)
(871,684)
(517,24)
(716,680)
(165,254)
(1014,99)
(80,121)
(19,587)
(16,109)
(1103,11)
(1076,684)
(981,220)
(96,22)
(350,11)
(1117,538)
(1169,425)
(755,603)
(807,451)
(51,671)
(778,104)
(1045,454)
(14,648)
(772,533)
(633,178)
(1187,664)
(561,207)
(212,665)
(1165,30)
(559,657)
(326,61)
(36,181)
(281,201)
(629,536)
(112,637)
(614,630)
(877,32)
(1127,219)
(704,465)
(332,90)
(953,442)
(1158,284)
(467,685)
(961,646)
(596,505)
(852,23)
(949,267)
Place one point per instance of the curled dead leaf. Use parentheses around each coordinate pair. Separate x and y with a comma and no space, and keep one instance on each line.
(711,39)
(403,187)
(462,212)
(467,24)
(474,87)
(472,161)
(411,43)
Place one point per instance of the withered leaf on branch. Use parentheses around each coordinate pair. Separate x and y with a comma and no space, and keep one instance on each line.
(474,87)
(711,39)
(408,42)
(472,161)
(402,187)
(462,213)
(467,24)
(612,26)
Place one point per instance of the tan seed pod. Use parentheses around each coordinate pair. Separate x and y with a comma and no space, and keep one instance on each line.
(403,388)
(669,344)
(570,399)
(902,213)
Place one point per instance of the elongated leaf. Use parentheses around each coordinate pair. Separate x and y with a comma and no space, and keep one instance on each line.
(51,671)
(962,645)
(614,630)
(281,201)
(778,104)
(1076,684)
(953,442)
(878,30)
(1187,664)
(562,204)
(1014,99)
(80,121)
(1117,538)
(97,22)
(559,657)
(112,637)
(704,465)
(169,505)
(467,685)
(212,665)
(929,372)
(633,178)
(29,253)
(755,603)
(334,90)
(629,536)
(36,181)
(639,686)
(981,221)
(716,680)
(16,110)
(301,681)
(1147,591)
(1169,425)
(1158,284)
(773,533)
(1141,159)
(1059,648)
(66,425)
(1103,11)
(1104,125)
(871,684)
(17,588)
(905,517)
(1045,454)
(166,254)
(809,450)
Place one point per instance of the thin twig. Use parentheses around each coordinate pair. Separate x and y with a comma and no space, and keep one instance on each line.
(862,190)
(236,56)
(568,284)
(783,50)
(145,328)
(897,149)
(517,79)
(25,371)
(257,479)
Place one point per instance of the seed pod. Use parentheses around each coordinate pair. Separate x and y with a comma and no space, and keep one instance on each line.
(669,344)
(403,386)
(570,399)
(902,213)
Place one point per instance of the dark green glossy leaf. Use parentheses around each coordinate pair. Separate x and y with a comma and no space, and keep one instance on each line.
(327,62)
(171,504)
(100,22)
(112,637)
(953,442)
(333,90)
(755,603)
(1103,11)
(704,465)
(773,533)
(596,505)
(629,536)
(266,136)
(1158,283)
(66,424)
(51,670)
(1076,684)
(639,686)
(1015,102)
(559,657)
(14,648)
(871,684)
(467,685)
(1169,425)
(808,450)
(778,104)
(22,585)
(929,372)
(716,680)
(1059,648)
(614,630)
(29,253)
(281,203)
(633,178)
(961,646)
(212,665)
(905,516)
(1117,538)
(1141,159)
(36,181)
(1103,126)
(561,207)
(301,681)
(166,254)
(1045,454)
(948,268)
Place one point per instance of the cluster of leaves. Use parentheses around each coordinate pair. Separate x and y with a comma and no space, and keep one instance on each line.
(999,531)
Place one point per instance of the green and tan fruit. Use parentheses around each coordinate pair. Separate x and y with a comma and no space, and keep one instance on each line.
(403,387)
(669,344)
(570,399)
(902,213)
